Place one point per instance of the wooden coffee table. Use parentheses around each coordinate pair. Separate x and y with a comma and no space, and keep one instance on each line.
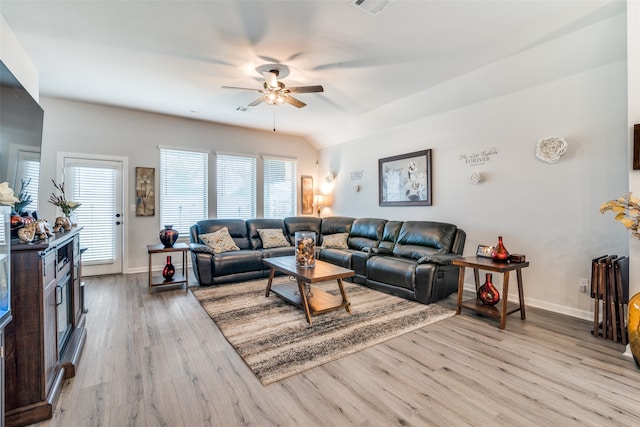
(302,295)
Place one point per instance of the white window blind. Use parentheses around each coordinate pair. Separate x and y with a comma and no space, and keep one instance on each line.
(279,188)
(29,171)
(94,188)
(236,186)
(183,188)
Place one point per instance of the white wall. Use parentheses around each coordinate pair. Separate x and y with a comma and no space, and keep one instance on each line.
(87,128)
(16,59)
(547,212)
(633,90)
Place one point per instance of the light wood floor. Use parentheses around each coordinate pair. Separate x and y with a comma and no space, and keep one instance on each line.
(158,360)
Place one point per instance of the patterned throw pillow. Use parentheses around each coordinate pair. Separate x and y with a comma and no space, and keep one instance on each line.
(220,241)
(337,241)
(273,238)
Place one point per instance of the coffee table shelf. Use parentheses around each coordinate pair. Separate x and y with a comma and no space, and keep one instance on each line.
(319,301)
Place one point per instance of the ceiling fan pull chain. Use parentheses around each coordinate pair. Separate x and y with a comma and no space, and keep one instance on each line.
(274,121)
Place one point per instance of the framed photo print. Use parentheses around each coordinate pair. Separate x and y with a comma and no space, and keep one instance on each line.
(405,180)
(306,190)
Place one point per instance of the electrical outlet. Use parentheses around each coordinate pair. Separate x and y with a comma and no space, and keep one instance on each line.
(583,284)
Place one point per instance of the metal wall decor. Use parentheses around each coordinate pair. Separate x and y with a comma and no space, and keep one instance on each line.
(145,191)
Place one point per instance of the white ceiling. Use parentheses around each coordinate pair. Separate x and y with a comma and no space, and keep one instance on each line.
(172,57)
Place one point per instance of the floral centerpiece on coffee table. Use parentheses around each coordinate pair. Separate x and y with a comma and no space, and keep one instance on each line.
(60,200)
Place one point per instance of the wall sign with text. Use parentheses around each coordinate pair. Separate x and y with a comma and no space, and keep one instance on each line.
(479,158)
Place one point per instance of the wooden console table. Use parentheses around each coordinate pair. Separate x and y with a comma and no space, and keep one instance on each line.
(178,278)
(503,308)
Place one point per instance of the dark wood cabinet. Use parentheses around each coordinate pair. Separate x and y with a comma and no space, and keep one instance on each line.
(44,340)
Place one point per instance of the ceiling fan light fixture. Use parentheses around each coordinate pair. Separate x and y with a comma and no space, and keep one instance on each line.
(274,98)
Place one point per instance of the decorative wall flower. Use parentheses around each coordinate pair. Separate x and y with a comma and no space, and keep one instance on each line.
(6,195)
(627,210)
(60,200)
(550,149)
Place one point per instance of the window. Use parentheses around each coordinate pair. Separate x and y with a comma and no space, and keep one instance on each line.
(236,186)
(183,188)
(279,188)
(29,171)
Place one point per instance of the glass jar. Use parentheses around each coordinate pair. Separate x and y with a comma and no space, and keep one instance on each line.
(305,242)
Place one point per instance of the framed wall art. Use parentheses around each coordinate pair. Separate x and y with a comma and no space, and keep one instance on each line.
(405,180)
(145,191)
(306,190)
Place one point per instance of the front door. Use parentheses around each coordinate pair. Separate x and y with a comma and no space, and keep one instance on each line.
(98,186)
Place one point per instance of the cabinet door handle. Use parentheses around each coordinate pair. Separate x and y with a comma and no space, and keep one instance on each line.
(58,295)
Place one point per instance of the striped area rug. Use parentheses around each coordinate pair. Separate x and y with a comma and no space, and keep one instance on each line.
(275,340)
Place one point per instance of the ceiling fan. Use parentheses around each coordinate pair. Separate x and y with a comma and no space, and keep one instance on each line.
(274,92)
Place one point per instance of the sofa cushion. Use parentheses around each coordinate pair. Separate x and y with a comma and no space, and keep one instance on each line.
(237,229)
(219,241)
(366,233)
(389,236)
(394,271)
(336,241)
(422,238)
(273,238)
(302,223)
(276,252)
(253,225)
(235,262)
(340,257)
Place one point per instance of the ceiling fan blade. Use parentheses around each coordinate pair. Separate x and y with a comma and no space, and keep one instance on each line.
(257,101)
(241,88)
(293,101)
(305,89)
(271,78)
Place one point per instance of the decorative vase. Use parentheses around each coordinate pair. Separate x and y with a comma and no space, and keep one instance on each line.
(169,270)
(633,327)
(500,253)
(305,248)
(488,293)
(168,236)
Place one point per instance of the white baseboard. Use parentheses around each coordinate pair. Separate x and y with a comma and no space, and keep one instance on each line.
(545,305)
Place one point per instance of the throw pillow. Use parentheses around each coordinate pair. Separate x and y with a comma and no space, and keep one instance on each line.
(220,241)
(273,238)
(337,241)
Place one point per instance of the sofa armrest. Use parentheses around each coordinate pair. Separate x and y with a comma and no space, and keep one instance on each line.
(381,251)
(440,259)
(201,248)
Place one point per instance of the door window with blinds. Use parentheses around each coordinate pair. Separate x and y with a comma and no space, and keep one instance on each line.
(183,188)
(96,186)
(236,186)
(279,188)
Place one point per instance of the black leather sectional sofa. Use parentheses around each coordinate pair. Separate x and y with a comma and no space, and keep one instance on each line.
(410,259)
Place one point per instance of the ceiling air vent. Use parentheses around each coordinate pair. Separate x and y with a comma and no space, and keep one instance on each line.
(241,108)
(372,7)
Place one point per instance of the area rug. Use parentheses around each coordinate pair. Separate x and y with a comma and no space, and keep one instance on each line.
(275,340)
